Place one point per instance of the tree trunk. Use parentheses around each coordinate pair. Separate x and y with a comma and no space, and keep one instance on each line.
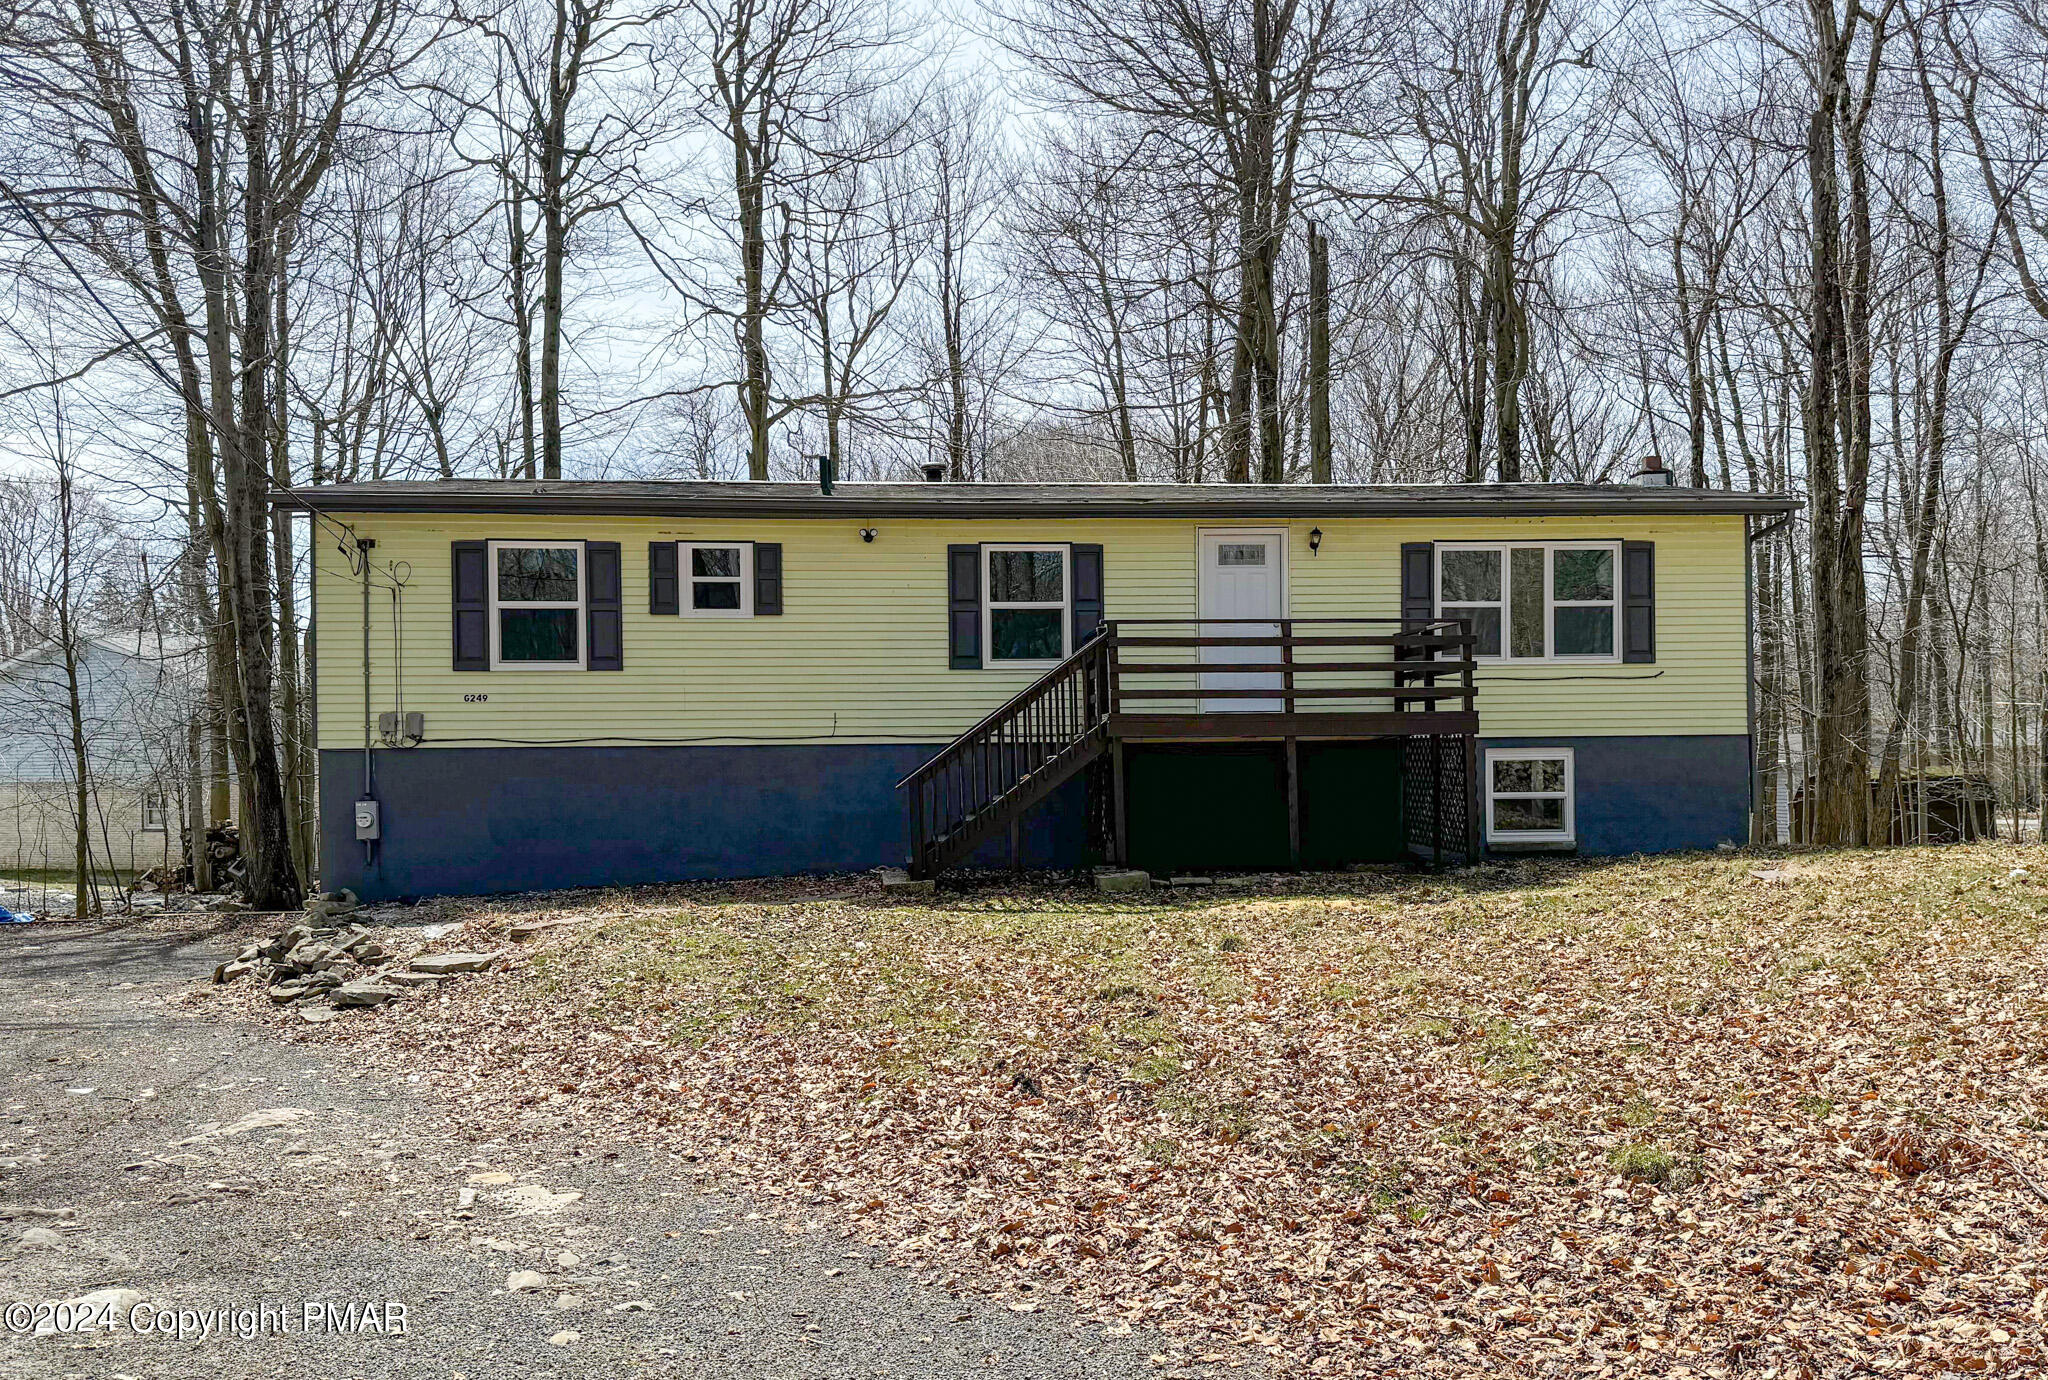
(521,303)
(554,235)
(67,646)
(1320,461)
(1838,451)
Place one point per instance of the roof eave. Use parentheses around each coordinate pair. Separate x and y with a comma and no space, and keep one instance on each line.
(1309,505)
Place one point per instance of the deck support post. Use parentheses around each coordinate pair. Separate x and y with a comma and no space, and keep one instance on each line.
(1119,814)
(1472,800)
(1294,804)
(1436,801)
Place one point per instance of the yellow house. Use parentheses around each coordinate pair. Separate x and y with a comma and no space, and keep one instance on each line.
(525,685)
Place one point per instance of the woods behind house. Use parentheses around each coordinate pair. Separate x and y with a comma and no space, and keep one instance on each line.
(1791,246)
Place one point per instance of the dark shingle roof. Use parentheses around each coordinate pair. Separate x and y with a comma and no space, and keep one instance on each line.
(713,498)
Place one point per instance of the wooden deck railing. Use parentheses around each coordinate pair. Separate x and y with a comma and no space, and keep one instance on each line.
(1301,666)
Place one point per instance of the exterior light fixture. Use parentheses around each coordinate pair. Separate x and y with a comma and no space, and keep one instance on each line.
(1315,540)
(867,534)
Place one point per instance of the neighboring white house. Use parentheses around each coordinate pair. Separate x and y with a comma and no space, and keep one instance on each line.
(137,697)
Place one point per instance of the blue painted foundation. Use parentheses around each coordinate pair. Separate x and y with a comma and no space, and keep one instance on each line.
(480,820)
(1655,794)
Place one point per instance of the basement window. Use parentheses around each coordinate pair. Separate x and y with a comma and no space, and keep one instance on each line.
(1028,607)
(1529,796)
(537,605)
(718,579)
(1552,601)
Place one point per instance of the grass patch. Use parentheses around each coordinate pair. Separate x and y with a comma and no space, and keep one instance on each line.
(1643,1162)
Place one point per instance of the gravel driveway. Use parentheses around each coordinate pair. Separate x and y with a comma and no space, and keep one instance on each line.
(203,1166)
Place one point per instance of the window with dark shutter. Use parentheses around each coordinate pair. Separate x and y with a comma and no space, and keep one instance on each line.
(714,579)
(602,562)
(1639,601)
(1087,592)
(539,601)
(472,605)
(963,607)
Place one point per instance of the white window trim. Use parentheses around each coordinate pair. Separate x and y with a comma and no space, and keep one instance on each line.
(1570,833)
(989,660)
(1551,603)
(686,583)
(580,604)
(162,812)
(1501,604)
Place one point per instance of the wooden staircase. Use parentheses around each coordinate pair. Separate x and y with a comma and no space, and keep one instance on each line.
(984,780)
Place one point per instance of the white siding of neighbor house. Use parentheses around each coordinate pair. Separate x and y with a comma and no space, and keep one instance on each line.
(36,829)
(133,705)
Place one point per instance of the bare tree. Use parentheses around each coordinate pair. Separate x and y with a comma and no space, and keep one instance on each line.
(1503,124)
(1240,93)
(773,77)
(576,95)
(969,175)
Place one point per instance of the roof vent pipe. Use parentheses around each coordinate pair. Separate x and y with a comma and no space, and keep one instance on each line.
(934,471)
(1653,475)
(825,475)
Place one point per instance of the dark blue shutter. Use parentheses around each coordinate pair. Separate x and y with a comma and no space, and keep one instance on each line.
(472,586)
(1639,601)
(663,587)
(1087,592)
(1418,587)
(963,607)
(604,606)
(767,578)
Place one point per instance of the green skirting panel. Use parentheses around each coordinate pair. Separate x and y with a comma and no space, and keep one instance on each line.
(1198,806)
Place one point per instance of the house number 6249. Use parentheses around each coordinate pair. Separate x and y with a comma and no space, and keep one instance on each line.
(474,699)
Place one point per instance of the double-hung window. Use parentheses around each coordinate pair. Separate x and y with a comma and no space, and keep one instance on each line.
(537,605)
(1551,601)
(718,579)
(156,812)
(1529,795)
(1028,605)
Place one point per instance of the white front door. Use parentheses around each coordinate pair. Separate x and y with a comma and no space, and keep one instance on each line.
(1243,576)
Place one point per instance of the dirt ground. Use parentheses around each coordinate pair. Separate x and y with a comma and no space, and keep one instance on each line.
(202,1164)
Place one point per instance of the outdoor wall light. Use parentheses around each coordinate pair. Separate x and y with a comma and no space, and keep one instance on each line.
(867,534)
(1315,540)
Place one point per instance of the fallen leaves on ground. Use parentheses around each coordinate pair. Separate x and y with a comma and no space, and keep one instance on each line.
(1667,1116)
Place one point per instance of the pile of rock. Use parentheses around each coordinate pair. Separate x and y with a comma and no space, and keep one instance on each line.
(328,955)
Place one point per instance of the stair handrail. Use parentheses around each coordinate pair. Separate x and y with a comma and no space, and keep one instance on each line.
(1097,646)
(978,770)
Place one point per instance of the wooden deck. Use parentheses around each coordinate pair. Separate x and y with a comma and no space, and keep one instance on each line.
(1155,680)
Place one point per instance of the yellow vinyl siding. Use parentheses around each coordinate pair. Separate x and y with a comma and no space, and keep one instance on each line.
(859,656)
